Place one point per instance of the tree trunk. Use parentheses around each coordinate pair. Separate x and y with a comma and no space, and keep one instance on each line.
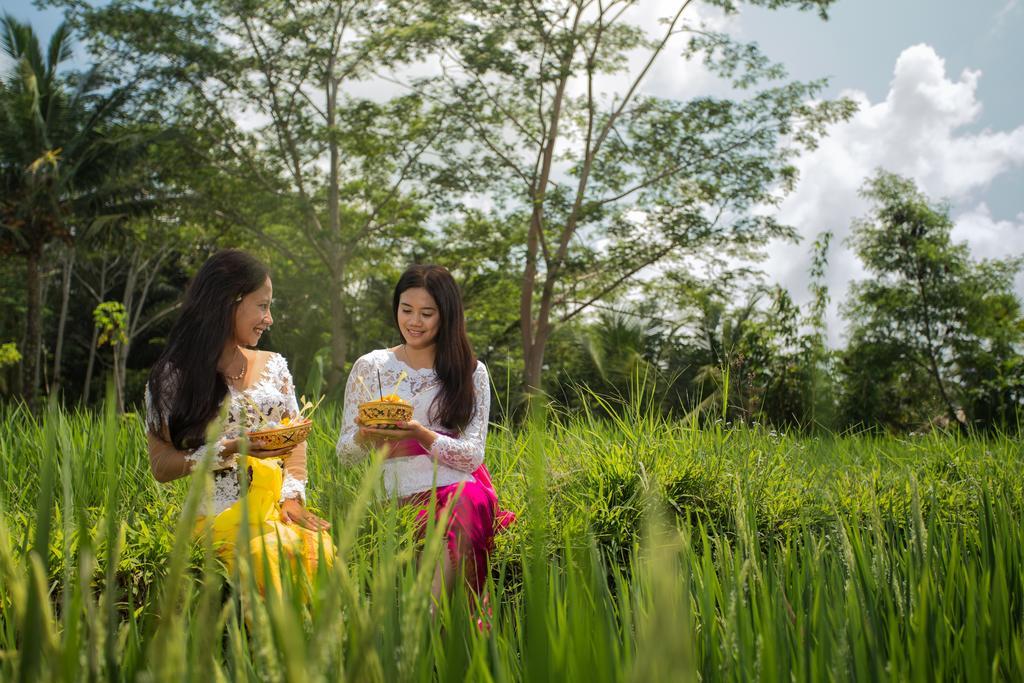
(120,371)
(90,365)
(130,324)
(339,338)
(933,361)
(954,417)
(119,353)
(339,315)
(58,353)
(33,327)
(533,349)
(100,295)
(533,358)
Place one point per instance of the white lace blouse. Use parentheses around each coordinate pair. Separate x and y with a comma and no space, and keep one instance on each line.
(273,396)
(453,458)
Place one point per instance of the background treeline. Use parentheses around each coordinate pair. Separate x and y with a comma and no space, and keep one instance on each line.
(604,236)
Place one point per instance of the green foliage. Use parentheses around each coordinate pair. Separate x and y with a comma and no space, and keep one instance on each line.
(758,360)
(9,354)
(645,548)
(109,318)
(326,186)
(933,329)
(547,196)
(649,180)
(70,160)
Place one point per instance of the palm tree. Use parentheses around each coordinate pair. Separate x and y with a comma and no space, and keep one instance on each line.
(615,346)
(720,335)
(64,161)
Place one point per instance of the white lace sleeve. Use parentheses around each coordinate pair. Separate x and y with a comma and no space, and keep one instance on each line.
(294,482)
(356,392)
(466,452)
(292,487)
(196,455)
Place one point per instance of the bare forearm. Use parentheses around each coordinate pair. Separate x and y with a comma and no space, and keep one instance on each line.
(295,462)
(168,463)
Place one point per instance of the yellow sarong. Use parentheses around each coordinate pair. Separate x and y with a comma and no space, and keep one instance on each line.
(270,539)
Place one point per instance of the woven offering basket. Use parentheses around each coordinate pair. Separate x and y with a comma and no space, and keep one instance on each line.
(281,437)
(384,414)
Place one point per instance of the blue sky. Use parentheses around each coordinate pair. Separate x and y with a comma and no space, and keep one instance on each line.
(860,44)
(941,95)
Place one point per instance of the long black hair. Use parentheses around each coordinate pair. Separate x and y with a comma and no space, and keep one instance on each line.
(454,361)
(186,388)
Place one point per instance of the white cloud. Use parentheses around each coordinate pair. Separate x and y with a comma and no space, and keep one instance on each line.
(989,237)
(916,132)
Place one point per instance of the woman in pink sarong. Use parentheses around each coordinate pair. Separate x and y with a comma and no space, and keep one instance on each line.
(435,370)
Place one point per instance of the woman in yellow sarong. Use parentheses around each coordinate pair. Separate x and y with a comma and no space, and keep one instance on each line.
(210,359)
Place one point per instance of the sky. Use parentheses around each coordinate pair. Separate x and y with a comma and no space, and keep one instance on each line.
(940,91)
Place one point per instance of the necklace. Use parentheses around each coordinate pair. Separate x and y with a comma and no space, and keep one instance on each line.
(408,359)
(241,374)
(405,352)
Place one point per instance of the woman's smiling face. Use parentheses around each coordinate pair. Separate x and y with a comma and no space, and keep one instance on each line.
(418,317)
(252,315)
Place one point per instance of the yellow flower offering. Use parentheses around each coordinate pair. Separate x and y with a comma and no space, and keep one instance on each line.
(388,411)
(385,413)
(289,433)
(289,430)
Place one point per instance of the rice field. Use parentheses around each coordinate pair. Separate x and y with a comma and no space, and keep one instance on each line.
(646,550)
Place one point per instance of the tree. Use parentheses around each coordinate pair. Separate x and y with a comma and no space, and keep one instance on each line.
(33,107)
(745,350)
(283,146)
(818,359)
(137,270)
(945,327)
(725,337)
(104,270)
(63,162)
(611,354)
(110,319)
(609,184)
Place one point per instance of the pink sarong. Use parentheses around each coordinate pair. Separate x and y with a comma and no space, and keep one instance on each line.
(474,519)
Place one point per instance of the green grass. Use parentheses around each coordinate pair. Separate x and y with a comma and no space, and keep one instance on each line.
(646,550)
